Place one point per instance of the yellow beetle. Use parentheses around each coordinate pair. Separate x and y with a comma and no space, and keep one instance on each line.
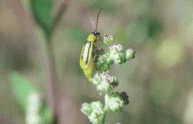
(86,56)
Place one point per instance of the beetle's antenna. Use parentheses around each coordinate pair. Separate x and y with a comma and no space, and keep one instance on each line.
(97,19)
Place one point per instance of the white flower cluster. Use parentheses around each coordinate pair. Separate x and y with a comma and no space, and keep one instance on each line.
(105,82)
(117,54)
(94,111)
(114,102)
(120,55)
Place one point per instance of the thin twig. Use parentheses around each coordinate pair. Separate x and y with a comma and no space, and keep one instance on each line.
(51,65)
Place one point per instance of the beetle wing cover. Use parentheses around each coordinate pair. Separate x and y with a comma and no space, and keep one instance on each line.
(86,59)
(86,55)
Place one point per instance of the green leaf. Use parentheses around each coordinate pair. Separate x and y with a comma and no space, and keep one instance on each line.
(46,114)
(42,11)
(22,88)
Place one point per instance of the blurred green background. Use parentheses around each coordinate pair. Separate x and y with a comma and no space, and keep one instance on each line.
(159,81)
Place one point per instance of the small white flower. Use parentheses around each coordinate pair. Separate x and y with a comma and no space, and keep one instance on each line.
(104,86)
(98,113)
(114,102)
(129,54)
(97,117)
(116,48)
(117,53)
(97,79)
(105,82)
(107,39)
(86,109)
